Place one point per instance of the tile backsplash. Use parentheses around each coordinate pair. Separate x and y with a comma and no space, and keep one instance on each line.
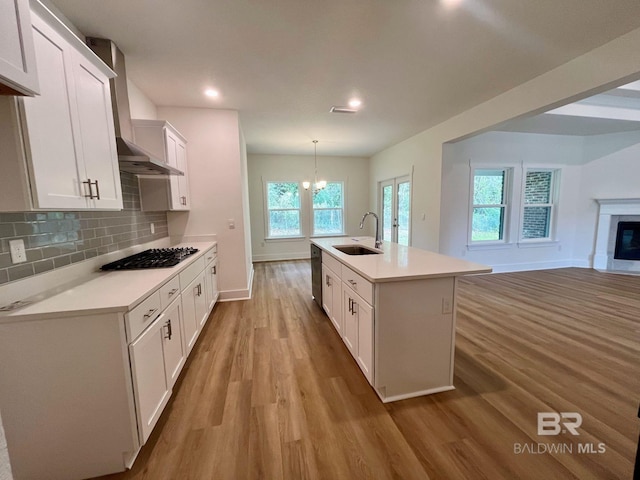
(55,239)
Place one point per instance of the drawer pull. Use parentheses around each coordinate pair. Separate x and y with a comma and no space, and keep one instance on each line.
(172,292)
(352,282)
(209,259)
(150,313)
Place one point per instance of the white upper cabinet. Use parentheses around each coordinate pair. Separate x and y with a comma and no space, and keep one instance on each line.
(69,161)
(162,140)
(17,57)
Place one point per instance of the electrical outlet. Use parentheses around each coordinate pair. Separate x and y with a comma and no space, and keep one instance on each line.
(18,255)
(446,305)
(232,223)
(153,229)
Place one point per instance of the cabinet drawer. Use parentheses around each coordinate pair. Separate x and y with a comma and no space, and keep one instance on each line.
(209,255)
(191,272)
(143,315)
(332,263)
(358,283)
(169,292)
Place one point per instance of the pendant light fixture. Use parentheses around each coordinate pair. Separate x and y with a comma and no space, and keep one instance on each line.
(317,185)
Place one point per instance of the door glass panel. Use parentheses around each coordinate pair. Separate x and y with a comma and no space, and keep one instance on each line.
(387,213)
(404,212)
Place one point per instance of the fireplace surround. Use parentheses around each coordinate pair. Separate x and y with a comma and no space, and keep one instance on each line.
(618,216)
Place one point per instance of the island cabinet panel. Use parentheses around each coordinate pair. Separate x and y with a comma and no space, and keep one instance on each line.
(414,354)
(332,297)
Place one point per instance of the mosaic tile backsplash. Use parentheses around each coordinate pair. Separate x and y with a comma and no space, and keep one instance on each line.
(55,239)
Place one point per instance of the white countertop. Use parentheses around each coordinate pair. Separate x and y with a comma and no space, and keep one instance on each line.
(397,262)
(103,292)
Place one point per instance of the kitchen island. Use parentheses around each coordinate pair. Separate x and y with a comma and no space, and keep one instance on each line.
(394,308)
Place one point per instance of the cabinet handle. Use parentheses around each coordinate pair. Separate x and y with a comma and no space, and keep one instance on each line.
(90,184)
(169,332)
(150,313)
(350,306)
(183,200)
(209,259)
(328,280)
(214,270)
(352,282)
(172,292)
(353,307)
(199,289)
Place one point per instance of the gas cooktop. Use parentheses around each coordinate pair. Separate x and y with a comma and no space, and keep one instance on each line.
(152,258)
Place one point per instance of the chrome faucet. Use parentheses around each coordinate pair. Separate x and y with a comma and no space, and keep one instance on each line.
(378,239)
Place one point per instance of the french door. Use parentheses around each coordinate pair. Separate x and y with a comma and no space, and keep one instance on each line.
(395,205)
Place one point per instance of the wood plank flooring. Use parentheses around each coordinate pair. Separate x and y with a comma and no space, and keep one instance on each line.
(271,392)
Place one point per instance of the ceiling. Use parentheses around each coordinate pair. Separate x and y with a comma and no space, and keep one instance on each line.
(283,63)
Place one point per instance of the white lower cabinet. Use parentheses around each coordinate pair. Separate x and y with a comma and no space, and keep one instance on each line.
(194,304)
(358,329)
(211,283)
(332,297)
(81,393)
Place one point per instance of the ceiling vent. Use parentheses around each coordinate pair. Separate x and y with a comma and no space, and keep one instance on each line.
(335,109)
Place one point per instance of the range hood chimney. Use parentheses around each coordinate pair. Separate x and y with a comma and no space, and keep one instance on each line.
(131,157)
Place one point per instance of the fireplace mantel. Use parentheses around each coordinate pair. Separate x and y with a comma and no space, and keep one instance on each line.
(609,208)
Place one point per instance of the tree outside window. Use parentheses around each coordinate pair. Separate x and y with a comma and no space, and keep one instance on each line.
(489,205)
(283,205)
(328,210)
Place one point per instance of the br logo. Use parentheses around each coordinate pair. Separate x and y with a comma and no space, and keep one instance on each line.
(553,423)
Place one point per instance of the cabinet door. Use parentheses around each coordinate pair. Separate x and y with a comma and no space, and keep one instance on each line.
(172,345)
(97,136)
(349,320)
(179,184)
(211,281)
(149,378)
(48,126)
(332,297)
(364,313)
(194,310)
(172,148)
(17,57)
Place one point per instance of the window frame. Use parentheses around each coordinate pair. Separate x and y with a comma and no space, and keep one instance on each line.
(342,208)
(552,204)
(267,211)
(507,198)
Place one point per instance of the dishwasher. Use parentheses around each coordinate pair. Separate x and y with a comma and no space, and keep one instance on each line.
(316,274)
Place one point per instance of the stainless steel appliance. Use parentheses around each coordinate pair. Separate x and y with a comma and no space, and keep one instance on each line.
(152,258)
(316,274)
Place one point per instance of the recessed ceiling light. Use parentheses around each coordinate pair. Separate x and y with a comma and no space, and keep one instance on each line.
(211,92)
(451,3)
(354,103)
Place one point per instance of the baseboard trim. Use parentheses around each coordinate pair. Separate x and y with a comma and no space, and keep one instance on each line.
(275,257)
(420,393)
(242,294)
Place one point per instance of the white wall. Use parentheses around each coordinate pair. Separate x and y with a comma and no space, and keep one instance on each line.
(354,171)
(611,175)
(214,157)
(516,151)
(608,66)
(141,106)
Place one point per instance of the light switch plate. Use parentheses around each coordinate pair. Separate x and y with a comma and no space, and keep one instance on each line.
(18,254)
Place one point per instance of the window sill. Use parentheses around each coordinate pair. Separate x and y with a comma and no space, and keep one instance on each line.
(329,235)
(285,239)
(537,243)
(489,246)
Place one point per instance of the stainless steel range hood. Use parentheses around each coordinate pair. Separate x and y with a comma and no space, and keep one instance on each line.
(131,157)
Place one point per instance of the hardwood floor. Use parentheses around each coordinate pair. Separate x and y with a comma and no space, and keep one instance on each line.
(271,391)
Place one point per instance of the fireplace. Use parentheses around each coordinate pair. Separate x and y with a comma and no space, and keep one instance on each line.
(617,246)
(627,241)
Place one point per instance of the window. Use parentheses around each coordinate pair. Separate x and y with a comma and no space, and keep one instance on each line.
(538,204)
(328,210)
(489,205)
(283,210)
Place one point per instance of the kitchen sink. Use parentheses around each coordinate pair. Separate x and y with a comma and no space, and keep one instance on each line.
(356,250)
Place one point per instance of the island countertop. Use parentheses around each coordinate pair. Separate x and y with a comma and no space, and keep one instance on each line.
(397,262)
